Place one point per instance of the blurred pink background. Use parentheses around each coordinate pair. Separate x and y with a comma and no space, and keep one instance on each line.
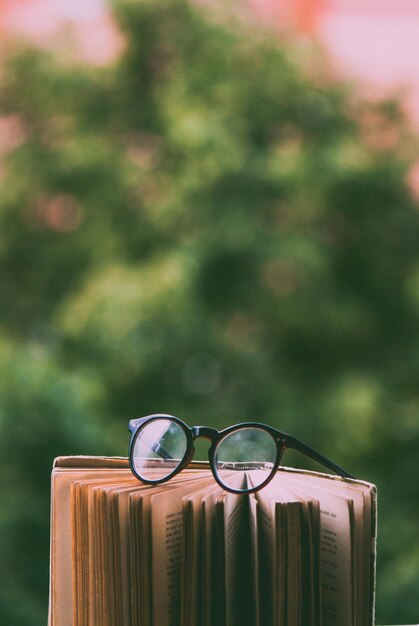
(88,23)
(373,41)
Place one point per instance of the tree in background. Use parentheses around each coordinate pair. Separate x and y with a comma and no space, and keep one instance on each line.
(209,228)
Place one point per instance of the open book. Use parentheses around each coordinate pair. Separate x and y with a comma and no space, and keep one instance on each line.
(299,552)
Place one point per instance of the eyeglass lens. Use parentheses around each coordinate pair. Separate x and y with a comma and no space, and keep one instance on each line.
(159,448)
(245,458)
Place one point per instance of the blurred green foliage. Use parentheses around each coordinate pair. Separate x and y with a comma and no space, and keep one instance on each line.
(214,229)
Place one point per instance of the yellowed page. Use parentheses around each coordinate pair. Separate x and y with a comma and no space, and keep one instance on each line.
(268,574)
(209,587)
(289,534)
(237,602)
(61,567)
(361,496)
(281,532)
(95,560)
(123,510)
(79,549)
(166,560)
(102,512)
(234,510)
(193,563)
(140,549)
(119,581)
(140,506)
(139,546)
(67,469)
(254,553)
(280,565)
(282,513)
(63,607)
(293,591)
(308,529)
(336,556)
(116,558)
(103,564)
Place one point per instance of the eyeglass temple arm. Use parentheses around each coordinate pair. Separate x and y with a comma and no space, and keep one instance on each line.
(296,444)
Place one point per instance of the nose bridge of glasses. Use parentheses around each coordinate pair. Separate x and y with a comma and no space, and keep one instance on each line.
(205,432)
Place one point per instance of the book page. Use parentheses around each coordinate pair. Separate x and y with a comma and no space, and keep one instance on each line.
(310,557)
(97,549)
(102,568)
(286,556)
(235,591)
(79,550)
(140,541)
(211,567)
(119,584)
(87,540)
(284,559)
(269,572)
(61,606)
(336,556)
(140,561)
(294,563)
(107,548)
(193,555)
(254,556)
(361,498)
(166,540)
(234,508)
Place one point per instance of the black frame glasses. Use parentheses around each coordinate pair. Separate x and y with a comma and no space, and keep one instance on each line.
(175,464)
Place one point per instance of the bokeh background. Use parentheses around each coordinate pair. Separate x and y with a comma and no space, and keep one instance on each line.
(208,209)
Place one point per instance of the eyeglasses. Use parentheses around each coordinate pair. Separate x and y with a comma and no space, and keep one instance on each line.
(243,458)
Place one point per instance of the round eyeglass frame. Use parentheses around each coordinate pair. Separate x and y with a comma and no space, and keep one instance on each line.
(282,440)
